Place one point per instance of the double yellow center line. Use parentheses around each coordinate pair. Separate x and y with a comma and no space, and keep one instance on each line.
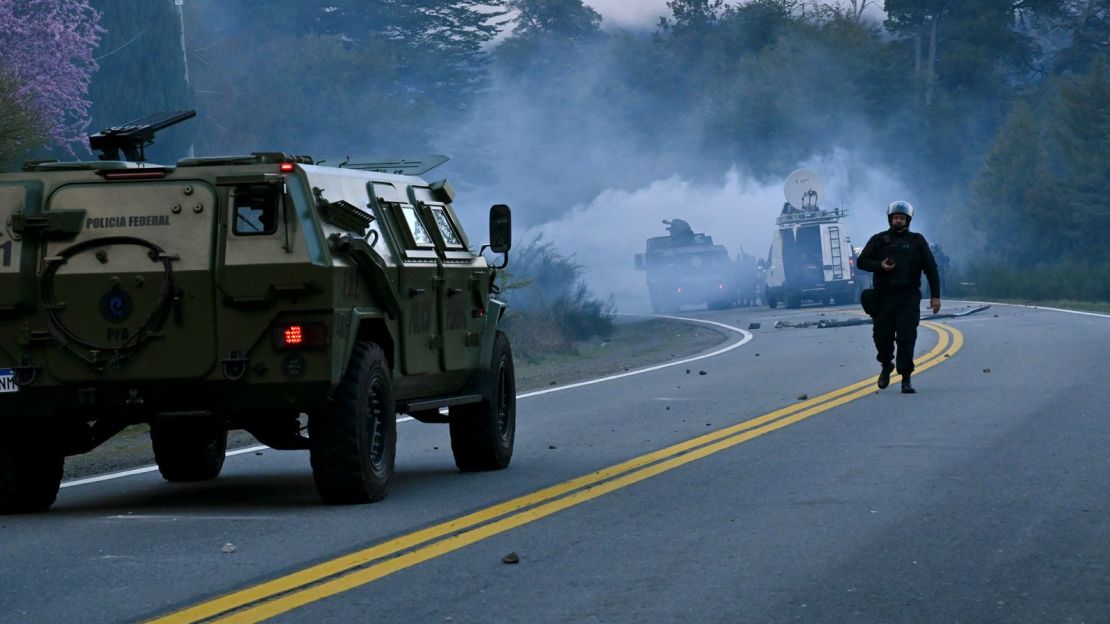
(320,581)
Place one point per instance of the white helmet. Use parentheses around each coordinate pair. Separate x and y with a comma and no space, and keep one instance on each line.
(900,207)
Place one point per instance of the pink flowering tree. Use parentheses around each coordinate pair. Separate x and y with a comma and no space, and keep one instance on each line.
(48,60)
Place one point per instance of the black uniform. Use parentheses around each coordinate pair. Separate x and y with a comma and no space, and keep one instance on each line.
(899,291)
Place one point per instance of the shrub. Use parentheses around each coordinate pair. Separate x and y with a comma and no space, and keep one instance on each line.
(550,306)
(1061,281)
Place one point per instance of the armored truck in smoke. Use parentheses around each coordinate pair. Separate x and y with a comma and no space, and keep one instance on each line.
(304,302)
(684,268)
(811,257)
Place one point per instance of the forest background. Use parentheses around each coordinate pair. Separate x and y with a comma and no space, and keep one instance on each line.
(991,116)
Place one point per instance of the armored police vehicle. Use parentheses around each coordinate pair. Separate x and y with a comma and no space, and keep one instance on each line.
(811,257)
(684,268)
(303,302)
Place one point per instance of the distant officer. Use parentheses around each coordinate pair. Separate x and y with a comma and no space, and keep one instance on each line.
(897,257)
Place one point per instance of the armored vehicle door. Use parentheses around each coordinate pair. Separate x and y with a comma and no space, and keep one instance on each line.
(464,287)
(131,288)
(420,278)
(802,257)
(257,256)
(776,273)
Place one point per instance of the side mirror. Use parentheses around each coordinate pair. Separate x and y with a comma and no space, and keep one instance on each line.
(500,228)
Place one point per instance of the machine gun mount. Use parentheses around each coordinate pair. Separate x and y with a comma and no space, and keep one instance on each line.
(134,136)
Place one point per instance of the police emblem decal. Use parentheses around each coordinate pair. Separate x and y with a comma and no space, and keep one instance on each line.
(116,305)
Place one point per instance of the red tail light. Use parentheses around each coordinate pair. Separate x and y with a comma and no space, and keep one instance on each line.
(293,335)
(287,167)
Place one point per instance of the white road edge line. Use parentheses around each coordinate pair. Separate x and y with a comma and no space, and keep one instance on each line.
(1037,307)
(747,337)
(135,471)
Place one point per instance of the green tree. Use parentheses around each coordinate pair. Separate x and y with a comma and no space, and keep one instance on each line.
(142,71)
(1084,26)
(547,35)
(694,16)
(1001,208)
(1080,158)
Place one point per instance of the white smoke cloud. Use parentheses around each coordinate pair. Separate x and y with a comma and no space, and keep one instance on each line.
(738,211)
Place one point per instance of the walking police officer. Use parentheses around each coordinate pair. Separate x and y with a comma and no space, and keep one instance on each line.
(897,257)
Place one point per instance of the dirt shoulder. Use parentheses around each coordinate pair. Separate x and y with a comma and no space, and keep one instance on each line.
(635,343)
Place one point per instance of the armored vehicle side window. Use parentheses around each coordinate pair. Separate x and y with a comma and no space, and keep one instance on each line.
(255,209)
(446,229)
(416,227)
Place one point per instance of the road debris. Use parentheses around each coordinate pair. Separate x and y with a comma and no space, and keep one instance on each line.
(825,323)
(229,548)
(511,558)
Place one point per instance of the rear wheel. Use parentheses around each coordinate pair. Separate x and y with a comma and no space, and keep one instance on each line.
(353,442)
(483,434)
(188,451)
(772,302)
(30,472)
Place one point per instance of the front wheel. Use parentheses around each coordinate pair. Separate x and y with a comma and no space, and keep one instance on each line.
(353,442)
(188,451)
(483,434)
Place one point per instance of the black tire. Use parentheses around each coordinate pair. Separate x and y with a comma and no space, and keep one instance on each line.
(353,442)
(772,301)
(188,451)
(30,473)
(483,434)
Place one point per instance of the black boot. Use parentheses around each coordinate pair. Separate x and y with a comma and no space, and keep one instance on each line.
(907,388)
(884,375)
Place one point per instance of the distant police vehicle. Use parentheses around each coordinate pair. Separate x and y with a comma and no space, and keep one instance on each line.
(811,258)
(684,268)
(243,292)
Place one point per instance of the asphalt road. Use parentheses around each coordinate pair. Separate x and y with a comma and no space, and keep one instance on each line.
(665,496)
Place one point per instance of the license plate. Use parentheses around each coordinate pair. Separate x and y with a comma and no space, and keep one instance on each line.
(7,380)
